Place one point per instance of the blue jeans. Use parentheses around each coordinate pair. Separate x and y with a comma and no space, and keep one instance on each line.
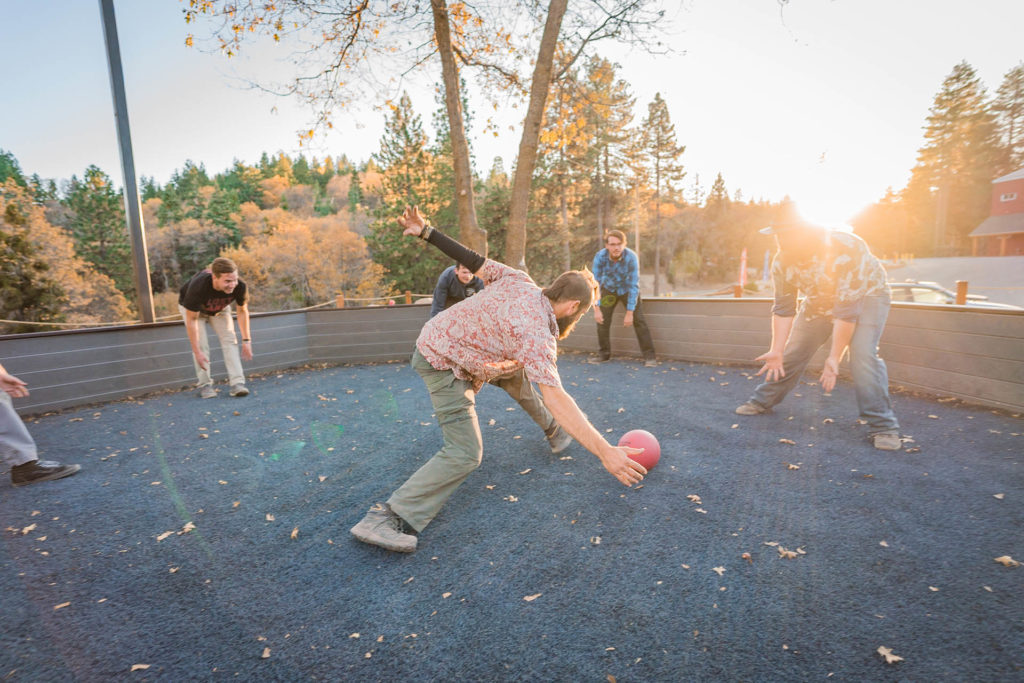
(870,377)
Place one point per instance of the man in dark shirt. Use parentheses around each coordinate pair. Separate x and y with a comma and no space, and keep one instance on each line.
(207,298)
(455,284)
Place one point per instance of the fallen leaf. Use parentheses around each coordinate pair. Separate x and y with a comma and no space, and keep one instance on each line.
(270,517)
(883,544)
(788,441)
(164,535)
(27,529)
(322,478)
(140,667)
(890,658)
(236,503)
(786,554)
(295,532)
(1000,496)
(595,540)
(735,426)
(791,466)
(189,526)
(266,653)
(701,511)
(446,595)
(531,598)
(718,570)
(747,557)
(933,589)
(526,471)
(61,605)
(693,498)
(1007,561)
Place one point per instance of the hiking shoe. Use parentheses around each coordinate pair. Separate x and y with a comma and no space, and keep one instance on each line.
(238,390)
(382,527)
(650,363)
(751,408)
(40,470)
(207,391)
(887,441)
(597,360)
(559,439)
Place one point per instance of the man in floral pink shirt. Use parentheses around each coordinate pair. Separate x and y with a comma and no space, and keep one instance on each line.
(510,329)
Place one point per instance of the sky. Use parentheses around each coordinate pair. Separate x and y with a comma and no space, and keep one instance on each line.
(821,100)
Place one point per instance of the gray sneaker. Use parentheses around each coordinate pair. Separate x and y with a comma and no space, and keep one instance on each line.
(207,391)
(887,441)
(238,390)
(650,362)
(382,527)
(751,408)
(559,439)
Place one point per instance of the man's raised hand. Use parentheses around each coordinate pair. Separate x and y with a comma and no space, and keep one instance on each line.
(412,221)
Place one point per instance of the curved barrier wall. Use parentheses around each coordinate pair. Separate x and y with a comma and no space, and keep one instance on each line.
(973,354)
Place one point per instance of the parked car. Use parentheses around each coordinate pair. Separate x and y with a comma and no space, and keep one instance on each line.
(934,293)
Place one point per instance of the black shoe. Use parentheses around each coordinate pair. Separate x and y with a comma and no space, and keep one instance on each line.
(40,470)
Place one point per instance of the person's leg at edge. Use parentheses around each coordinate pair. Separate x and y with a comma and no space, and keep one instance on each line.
(422,496)
(203,377)
(224,326)
(17,446)
(870,375)
(806,337)
(643,333)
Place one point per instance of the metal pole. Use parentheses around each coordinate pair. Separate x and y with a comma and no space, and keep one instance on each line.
(132,205)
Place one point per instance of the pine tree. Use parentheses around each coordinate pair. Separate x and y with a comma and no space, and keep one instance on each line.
(98,227)
(1009,109)
(609,114)
(9,168)
(658,136)
(958,161)
(407,168)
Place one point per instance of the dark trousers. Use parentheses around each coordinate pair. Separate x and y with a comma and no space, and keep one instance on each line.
(609,301)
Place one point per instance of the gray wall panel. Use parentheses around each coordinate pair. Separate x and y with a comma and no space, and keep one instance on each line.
(975,355)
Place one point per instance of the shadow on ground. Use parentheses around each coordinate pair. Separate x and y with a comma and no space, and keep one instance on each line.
(209,539)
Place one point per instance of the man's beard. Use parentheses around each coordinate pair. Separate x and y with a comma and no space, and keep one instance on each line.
(568,323)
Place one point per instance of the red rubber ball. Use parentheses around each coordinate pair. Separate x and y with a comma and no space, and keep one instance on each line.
(640,438)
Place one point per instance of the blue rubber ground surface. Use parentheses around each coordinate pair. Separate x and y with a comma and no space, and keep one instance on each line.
(541,568)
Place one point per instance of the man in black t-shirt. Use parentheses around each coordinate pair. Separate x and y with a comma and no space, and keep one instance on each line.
(207,297)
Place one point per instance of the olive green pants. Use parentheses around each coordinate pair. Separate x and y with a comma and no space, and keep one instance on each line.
(422,496)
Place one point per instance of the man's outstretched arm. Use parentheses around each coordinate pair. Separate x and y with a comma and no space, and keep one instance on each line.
(416,225)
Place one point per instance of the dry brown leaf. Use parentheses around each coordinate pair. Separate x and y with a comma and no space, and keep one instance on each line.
(791,466)
(446,595)
(140,667)
(700,510)
(61,605)
(189,526)
(718,570)
(322,478)
(164,535)
(174,570)
(788,441)
(295,532)
(693,498)
(611,679)
(747,557)
(1000,496)
(27,529)
(527,470)
(531,598)
(266,653)
(270,517)
(1007,561)
(786,554)
(890,658)
(236,503)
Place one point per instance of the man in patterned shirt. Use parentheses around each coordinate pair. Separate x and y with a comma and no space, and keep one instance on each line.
(617,270)
(511,327)
(846,298)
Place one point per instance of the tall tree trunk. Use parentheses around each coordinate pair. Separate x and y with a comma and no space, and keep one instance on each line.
(470,232)
(515,241)
(566,252)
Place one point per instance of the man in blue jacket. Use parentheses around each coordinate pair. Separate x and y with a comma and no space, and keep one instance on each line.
(617,270)
(455,284)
